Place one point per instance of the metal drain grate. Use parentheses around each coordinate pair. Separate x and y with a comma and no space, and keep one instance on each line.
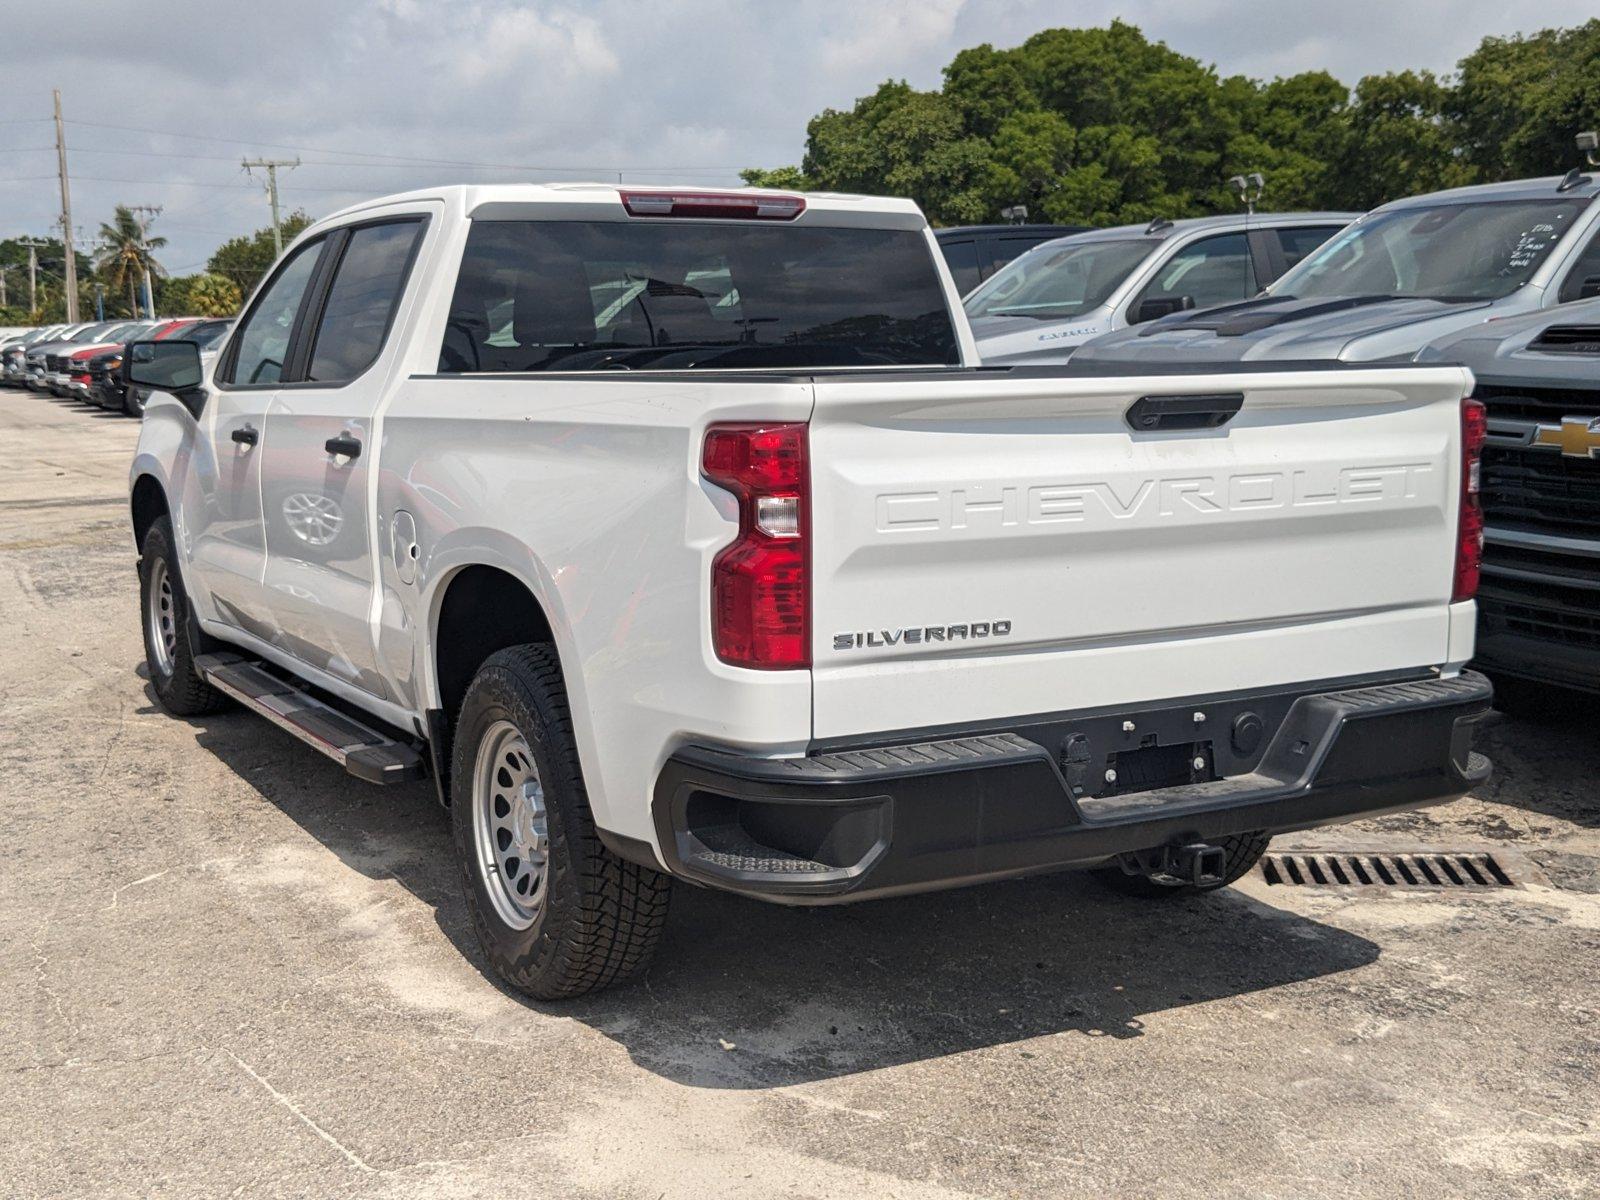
(1423,869)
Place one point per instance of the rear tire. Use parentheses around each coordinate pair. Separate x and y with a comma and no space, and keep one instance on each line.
(557,913)
(164,616)
(1242,851)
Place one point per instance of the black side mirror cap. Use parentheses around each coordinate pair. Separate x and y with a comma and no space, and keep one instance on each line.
(171,366)
(1156,307)
(1589,288)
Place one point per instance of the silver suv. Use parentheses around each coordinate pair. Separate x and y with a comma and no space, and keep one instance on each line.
(1402,277)
(1043,305)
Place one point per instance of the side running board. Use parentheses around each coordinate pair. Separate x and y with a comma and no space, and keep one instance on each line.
(360,749)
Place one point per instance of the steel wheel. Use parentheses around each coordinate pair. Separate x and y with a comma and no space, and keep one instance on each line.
(510,832)
(161,616)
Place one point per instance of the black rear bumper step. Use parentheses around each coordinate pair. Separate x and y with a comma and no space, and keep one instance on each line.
(363,751)
(849,824)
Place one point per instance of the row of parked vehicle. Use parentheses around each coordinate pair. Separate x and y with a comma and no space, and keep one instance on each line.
(1504,279)
(84,361)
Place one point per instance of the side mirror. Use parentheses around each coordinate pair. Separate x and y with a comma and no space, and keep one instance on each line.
(1589,288)
(1156,307)
(172,366)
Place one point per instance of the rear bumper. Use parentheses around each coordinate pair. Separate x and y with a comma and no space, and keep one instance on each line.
(885,820)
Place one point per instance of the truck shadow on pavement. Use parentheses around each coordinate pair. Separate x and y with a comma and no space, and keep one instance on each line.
(750,995)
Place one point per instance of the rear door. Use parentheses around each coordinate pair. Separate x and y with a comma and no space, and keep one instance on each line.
(319,569)
(992,547)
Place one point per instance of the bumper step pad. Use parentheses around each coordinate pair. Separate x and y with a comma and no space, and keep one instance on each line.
(362,750)
(845,824)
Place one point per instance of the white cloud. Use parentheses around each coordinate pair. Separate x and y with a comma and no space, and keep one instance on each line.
(883,36)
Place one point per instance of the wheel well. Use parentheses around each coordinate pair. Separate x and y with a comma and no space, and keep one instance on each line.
(484,610)
(149,504)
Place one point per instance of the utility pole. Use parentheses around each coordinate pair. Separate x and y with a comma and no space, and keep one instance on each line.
(66,215)
(33,245)
(3,271)
(152,211)
(271,165)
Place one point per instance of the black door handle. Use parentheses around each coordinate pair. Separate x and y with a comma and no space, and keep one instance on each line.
(245,435)
(1151,414)
(344,445)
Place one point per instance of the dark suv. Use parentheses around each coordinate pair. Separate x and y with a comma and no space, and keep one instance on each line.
(975,252)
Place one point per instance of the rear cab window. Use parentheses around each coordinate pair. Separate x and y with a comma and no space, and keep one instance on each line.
(679,294)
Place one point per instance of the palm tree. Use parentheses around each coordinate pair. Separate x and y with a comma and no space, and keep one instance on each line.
(125,253)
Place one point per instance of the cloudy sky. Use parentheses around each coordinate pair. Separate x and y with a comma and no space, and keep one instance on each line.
(163,97)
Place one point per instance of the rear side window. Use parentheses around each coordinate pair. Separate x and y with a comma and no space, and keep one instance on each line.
(366,290)
(1297,243)
(263,344)
(678,295)
(962,258)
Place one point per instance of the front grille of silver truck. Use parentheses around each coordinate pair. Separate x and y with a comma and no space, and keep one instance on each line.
(1541,562)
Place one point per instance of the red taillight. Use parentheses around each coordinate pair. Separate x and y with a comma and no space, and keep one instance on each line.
(1469,530)
(760,584)
(756,206)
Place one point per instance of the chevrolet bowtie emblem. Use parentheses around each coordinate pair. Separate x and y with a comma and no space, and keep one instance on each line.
(1575,437)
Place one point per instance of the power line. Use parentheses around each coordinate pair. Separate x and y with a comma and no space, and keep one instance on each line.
(396,158)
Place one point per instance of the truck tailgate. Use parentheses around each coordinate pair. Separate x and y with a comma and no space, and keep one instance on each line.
(1022,530)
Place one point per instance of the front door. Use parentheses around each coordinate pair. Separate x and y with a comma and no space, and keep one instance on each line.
(227,547)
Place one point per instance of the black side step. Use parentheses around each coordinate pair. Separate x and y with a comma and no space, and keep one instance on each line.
(360,749)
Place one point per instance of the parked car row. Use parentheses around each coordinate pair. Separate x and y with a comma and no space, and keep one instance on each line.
(83,361)
(1503,279)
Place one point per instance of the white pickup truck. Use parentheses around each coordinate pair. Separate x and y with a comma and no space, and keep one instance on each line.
(674,535)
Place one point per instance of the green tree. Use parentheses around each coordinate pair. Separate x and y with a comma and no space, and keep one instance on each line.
(1399,142)
(1106,126)
(244,260)
(214,296)
(125,255)
(1519,101)
(49,290)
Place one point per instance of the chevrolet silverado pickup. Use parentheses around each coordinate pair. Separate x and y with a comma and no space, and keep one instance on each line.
(677,535)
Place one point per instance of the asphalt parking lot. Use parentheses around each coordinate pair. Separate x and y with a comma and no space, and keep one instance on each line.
(226,969)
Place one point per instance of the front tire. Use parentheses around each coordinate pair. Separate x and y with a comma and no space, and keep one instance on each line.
(1241,852)
(164,609)
(557,913)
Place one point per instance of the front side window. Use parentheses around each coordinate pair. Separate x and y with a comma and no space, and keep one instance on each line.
(365,293)
(264,337)
(1056,283)
(1214,270)
(1449,252)
(677,295)
(1583,279)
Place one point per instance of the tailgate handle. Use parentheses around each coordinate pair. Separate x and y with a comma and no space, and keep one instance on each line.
(1160,414)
